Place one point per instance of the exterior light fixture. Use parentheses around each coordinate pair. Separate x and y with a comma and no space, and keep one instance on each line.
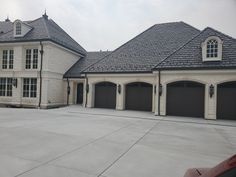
(211,90)
(119,88)
(160,89)
(14,82)
(87,88)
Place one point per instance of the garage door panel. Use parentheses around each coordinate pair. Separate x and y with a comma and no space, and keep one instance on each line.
(105,95)
(185,99)
(226,101)
(139,96)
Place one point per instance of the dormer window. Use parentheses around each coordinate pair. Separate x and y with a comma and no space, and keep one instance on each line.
(212,49)
(18,28)
(21,28)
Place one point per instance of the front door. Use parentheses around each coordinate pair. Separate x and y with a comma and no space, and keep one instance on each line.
(80,91)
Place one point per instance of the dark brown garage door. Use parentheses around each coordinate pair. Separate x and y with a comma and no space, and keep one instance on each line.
(105,95)
(138,96)
(185,98)
(226,101)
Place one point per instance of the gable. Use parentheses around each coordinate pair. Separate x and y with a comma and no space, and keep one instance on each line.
(190,55)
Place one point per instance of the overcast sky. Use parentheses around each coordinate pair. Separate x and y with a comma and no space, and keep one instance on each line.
(107,24)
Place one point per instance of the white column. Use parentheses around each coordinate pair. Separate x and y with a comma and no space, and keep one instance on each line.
(90,96)
(120,98)
(210,102)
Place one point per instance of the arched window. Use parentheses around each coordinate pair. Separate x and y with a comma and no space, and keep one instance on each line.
(212,49)
(18,28)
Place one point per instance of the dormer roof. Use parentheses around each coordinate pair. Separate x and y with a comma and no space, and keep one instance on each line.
(189,56)
(43,29)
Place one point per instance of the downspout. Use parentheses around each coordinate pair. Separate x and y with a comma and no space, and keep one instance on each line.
(68,91)
(40,75)
(159,96)
(86,90)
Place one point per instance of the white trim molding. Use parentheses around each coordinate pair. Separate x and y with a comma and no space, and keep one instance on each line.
(219,49)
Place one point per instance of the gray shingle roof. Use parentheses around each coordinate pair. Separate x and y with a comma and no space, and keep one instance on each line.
(44,29)
(143,52)
(5,27)
(189,56)
(83,63)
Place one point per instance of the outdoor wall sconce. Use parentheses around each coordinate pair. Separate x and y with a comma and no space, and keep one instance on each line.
(211,90)
(87,88)
(160,89)
(68,90)
(119,88)
(14,82)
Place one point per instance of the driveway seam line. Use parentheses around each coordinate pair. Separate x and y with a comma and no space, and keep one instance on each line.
(101,174)
(73,150)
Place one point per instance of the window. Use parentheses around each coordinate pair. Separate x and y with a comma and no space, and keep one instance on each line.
(212,49)
(18,28)
(30,87)
(31,59)
(7,59)
(5,86)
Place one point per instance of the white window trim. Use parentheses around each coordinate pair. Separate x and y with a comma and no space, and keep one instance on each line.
(6,83)
(8,60)
(32,59)
(204,49)
(30,83)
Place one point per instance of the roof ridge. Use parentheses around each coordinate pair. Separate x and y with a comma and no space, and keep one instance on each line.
(190,26)
(220,32)
(119,48)
(179,48)
(46,27)
(54,23)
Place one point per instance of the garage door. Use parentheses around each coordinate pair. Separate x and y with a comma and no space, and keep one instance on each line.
(105,95)
(138,96)
(226,101)
(185,98)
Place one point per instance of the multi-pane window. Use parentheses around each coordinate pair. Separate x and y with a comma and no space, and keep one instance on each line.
(28,59)
(30,87)
(18,28)
(212,49)
(7,59)
(5,86)
(35,58)
(31,59)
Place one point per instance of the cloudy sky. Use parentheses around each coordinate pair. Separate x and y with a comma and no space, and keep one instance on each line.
(106,24)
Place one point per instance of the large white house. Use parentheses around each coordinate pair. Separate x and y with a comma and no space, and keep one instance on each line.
(169,69)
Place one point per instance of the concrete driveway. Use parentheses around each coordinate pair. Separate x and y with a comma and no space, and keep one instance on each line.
(79,142)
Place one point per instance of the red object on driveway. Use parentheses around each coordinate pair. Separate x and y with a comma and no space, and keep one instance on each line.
(226,168)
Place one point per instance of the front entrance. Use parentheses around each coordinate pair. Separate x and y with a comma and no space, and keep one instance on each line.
(185,98)
(80,93)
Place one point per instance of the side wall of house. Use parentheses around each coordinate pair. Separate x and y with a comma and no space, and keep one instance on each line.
(56,62)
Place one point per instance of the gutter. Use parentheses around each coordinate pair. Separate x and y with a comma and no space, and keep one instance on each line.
(40,75)
(68,90)
(86,85)
(159,96)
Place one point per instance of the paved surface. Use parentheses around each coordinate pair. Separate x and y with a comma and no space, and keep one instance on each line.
(79,142)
